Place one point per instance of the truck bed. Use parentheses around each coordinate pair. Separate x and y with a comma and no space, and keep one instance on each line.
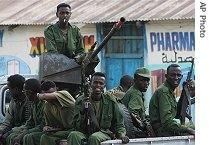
(175,140)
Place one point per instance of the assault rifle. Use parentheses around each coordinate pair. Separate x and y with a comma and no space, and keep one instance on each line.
(143,125)
(149,129)
(91,124)
(184,102)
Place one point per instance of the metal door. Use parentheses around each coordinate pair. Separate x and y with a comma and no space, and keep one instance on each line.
(117,66)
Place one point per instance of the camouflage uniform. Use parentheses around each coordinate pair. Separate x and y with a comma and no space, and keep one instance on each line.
(108,116)
(70,44)
(162,111)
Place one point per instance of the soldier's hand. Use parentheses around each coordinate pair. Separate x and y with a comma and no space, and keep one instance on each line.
(47,128)
(190,84)
(79,58)
(125,139)
(191,131)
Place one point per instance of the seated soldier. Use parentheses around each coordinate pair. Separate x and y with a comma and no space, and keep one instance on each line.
(97,119)
(163,106)
(134,101)
(58,113)
(126,82)
(36,121)
(19,107)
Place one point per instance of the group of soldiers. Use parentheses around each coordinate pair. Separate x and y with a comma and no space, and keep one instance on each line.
(43,114)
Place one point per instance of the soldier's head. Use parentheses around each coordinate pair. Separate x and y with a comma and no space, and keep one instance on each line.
(173,75)
(15,85)
(48,87)
(141,79)
(31,87)
(63,13)
(97,84)
(126,82)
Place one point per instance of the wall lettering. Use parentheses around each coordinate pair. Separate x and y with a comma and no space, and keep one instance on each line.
(88,41)
(170,41)
(37,45)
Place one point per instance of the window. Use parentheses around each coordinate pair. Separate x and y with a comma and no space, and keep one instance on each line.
(129,39)
(13,67)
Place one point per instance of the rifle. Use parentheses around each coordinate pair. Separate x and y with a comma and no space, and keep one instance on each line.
(185,99)
(143,125)
(150,131)
(91,124)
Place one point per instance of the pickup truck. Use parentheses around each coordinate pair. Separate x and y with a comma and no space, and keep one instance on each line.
(175,140)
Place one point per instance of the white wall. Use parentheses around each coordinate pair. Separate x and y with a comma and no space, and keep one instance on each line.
(160,53)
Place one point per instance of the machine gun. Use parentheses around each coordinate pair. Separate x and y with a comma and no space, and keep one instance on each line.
(185,99)
(69,73)
(91,124)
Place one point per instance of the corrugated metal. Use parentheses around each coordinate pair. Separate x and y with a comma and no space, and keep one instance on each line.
(39,12)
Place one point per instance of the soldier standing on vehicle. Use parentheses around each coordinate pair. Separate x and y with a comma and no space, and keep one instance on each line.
(163,106)
(19,107)
(58,113)
(62,37)
(36,121)
(134,100)
(106,117)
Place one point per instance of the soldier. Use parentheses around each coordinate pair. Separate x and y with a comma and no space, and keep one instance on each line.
(58,113)
(134,99)
(105,116)
(36,121)
(126,82)
(163,106)
(19,106)
(62,37)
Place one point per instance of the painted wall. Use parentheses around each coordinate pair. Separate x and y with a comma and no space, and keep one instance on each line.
(169,42)
(21,46)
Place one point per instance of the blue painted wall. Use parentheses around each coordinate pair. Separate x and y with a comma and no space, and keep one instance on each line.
(4,59)
(124,52)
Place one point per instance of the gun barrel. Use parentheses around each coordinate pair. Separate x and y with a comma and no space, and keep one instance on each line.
(116,27)
(191,69)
